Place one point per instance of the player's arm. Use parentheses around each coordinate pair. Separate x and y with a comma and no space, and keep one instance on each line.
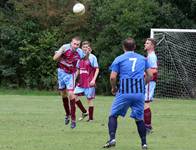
(81,53)
(77,73)
(148,75)
(113,80)
(153,70)
(78,69)
(92,83)
(58,54)
(94,64)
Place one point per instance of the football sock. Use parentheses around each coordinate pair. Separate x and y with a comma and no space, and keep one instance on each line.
(66,105)
(73,109)
(90,111)
(147,117)
(80,106)
(141,130)
(112,126)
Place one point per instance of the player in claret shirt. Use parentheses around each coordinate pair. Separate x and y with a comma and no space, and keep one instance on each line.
(149,46)
(67,57)
(88,70)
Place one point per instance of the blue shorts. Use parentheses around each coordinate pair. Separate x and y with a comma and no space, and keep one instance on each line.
(150,89)
(88,92)
(66,80)
(122,102)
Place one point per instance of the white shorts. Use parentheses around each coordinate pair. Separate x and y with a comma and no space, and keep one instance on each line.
(150,89)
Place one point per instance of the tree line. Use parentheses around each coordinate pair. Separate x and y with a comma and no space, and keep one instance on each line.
(31,31)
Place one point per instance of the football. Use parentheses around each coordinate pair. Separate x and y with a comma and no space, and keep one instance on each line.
(79,9)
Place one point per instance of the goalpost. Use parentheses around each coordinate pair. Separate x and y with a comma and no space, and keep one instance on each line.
(176,52)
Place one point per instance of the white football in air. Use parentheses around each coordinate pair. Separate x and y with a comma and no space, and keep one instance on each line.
(79,9)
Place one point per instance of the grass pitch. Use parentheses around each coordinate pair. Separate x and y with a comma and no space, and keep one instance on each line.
(37,123)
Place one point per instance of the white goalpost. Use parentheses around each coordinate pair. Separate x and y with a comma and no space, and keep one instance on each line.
(176,52)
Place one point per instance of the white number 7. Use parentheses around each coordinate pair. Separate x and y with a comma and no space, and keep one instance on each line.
(134,62)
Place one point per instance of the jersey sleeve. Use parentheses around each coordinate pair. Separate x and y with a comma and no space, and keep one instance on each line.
(93,61)
(115,66)
(63,48)
(81,53)
(78,64)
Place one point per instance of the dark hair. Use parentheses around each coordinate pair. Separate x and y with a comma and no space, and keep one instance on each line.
(86,43)
(129,44)
(152,41)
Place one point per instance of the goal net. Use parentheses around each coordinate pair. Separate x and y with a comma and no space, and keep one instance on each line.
(176,52)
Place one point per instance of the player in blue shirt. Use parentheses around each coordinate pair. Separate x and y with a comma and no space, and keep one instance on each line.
(130,68)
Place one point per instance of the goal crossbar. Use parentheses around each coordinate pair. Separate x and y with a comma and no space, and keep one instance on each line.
(169,30)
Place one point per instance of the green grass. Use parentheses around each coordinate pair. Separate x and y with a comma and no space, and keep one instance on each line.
(37,123)
(24,91)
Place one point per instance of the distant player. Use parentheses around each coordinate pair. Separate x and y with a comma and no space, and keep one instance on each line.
(67,57)
(149,46)
(88,71)
(130,68)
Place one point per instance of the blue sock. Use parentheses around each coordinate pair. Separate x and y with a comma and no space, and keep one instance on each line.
(112,126)
(141,130)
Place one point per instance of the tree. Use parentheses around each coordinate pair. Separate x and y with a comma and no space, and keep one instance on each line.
(32,30)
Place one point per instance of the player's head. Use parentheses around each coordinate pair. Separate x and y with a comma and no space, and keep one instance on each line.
(150,44)
(86,47)
(75,42)
(129,44)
